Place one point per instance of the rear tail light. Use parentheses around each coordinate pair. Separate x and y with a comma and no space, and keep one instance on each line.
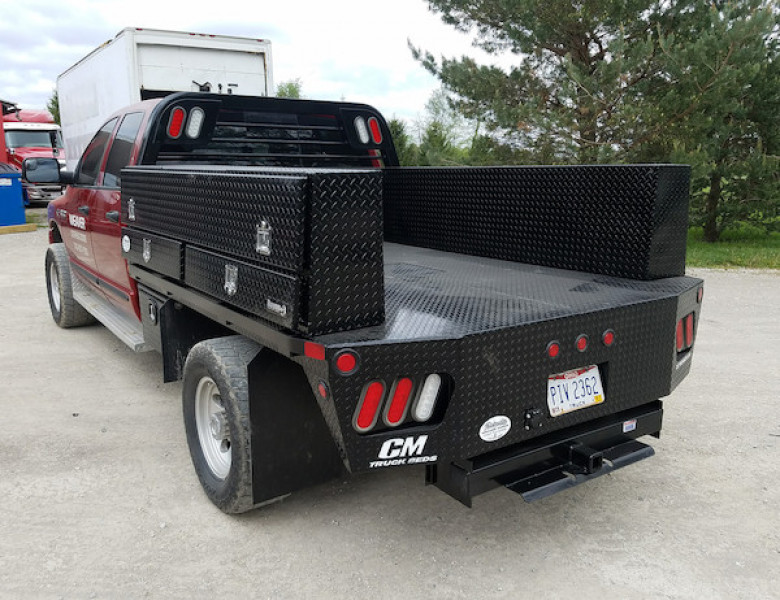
(368,409)
(684,333)
(403,404)
(582,343)
(423,408)
(399,402)
(689,330)
(176,122)
(679,336)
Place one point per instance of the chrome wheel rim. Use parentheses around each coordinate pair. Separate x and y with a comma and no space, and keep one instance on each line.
(213,430)
(54,286)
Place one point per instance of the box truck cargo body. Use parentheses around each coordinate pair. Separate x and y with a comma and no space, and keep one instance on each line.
(139,64)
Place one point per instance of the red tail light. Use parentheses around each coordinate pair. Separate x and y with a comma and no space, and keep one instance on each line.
(582,343)
(346,363)
(680,339)
(176,122)
(399,403)
(376,132)
(684,333)
(689,330)
(368,409)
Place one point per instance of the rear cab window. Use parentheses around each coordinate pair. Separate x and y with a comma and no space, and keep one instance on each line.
(121,151)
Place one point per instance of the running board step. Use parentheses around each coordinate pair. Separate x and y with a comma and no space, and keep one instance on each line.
(123,326)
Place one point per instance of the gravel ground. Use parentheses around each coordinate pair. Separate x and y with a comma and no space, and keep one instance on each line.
(98,498)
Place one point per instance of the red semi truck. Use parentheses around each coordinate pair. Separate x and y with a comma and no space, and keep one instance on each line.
(329,311)
(31,134)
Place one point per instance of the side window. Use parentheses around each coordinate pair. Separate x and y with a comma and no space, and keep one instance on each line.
(122,148)
(87,171)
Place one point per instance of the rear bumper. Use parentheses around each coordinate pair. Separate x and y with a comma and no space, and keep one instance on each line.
(554,462)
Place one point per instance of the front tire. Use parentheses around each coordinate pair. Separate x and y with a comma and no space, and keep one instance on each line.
(215,403)
(65,310)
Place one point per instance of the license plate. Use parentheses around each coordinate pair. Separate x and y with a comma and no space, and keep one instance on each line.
(574,390)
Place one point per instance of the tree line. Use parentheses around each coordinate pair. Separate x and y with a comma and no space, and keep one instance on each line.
(617,81)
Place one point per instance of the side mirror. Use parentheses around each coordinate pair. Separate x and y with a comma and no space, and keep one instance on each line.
(41,170)
(45,170)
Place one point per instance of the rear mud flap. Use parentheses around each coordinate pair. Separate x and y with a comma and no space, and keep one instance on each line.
(556,462)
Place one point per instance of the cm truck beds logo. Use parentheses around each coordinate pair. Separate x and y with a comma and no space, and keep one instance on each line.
(402,451)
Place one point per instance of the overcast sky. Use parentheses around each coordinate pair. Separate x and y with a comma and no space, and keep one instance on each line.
(343,48)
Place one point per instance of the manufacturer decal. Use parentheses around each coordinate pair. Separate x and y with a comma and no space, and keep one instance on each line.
(495,428)
(403,451)
(629,425)
(77,221)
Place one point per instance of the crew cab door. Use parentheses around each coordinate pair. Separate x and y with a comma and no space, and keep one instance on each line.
(76,225)
(107,209)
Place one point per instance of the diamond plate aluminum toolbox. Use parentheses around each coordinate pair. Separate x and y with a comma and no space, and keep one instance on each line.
(308,241)
(156,253)
(624,220)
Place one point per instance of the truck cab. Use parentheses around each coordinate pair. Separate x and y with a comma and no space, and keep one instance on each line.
(86,217)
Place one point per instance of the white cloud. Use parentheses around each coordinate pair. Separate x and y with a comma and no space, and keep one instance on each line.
(349,48)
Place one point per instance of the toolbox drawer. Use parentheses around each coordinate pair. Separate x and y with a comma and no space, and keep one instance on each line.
(153,252)
(264,293)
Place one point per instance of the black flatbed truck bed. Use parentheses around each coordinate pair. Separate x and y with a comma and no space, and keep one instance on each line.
(511,326)
(445,309)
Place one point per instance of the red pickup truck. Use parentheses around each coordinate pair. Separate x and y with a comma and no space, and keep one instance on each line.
(329,311)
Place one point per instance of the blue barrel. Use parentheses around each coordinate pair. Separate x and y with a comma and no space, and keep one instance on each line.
(11,203)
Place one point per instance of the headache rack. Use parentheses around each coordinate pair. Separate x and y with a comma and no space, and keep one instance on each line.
(276,132)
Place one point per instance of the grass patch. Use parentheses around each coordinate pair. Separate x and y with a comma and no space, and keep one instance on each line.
(743,247)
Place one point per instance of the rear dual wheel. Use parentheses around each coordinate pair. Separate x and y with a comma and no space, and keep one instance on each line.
(215,402)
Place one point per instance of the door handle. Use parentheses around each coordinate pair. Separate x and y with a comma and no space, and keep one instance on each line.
(84,210)
(113,215)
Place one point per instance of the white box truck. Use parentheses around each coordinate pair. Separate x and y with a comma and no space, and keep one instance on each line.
(139,64)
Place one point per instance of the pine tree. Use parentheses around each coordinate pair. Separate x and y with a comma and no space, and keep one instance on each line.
(619,81)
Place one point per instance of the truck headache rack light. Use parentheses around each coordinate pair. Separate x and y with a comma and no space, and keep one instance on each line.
(176,122)
(195,122)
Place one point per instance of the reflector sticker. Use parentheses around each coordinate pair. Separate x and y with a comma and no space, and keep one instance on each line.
(495,428)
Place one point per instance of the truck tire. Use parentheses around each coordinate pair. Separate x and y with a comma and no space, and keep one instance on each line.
(215,403)
(65,310)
